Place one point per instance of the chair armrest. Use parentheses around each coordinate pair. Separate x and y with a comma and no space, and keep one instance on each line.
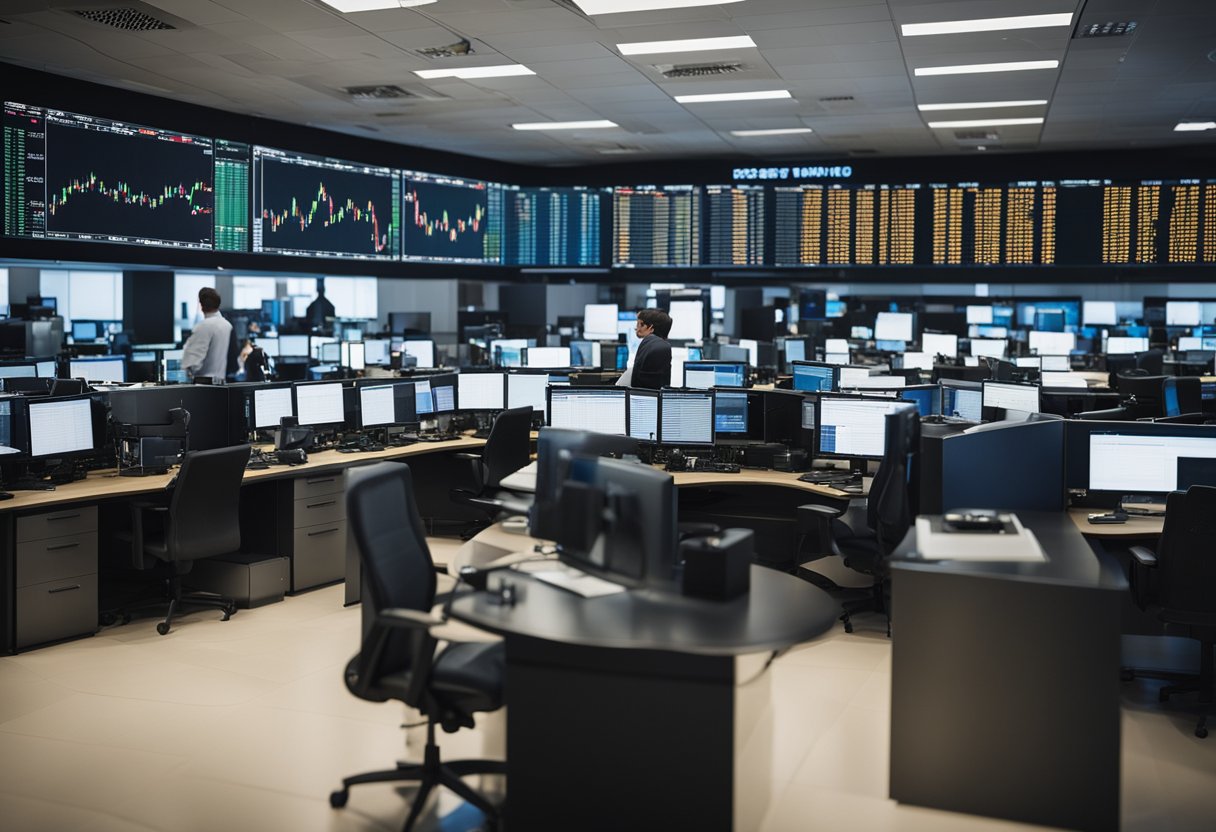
(368,664)
(398,618)
(815,526)
(466,455)
(1140,577)
(1143,556)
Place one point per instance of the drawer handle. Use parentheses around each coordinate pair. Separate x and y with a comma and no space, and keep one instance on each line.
(62,589)
(319,481)
(62,546)
(50,518)
(318,505)
(323,531)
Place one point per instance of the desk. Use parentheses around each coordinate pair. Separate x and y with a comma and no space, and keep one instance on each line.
(622,709)
(1136,525)
(1005,683)
(49,539)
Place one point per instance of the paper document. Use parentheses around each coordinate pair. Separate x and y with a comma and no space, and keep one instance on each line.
(578,582)
(934,544)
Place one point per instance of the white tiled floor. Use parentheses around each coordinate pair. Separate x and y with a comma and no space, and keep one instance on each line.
(246,725)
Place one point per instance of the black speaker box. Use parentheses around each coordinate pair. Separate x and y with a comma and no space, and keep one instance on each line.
(718,567)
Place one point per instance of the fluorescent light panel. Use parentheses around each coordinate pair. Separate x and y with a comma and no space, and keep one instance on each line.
(985,122)
(565,125)
(1194,126)
(468,72)
(967,69)
(987,24)
(348,6)
(757,95)
(980,105)
(779,131)
(592,7)
(663,47)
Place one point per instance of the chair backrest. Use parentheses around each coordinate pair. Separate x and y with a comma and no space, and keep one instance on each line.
(1151,361)
(1147,390)
(204,511)
(392,546)
(892,501)
(1182,395)
(509,446)
(1186,557)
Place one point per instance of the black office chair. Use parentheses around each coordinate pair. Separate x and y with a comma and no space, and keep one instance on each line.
(201,520)
(1151,361)
(1182,395)
(398,658)
(1178,583)
(1142,394)
(508,448)
(890,509)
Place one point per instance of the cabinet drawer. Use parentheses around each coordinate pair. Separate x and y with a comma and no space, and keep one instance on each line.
(324,508)
(318,555)
(54,558)
(57,523)
(56,609)
(305,487)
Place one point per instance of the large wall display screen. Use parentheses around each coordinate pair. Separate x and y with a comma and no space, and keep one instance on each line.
(321,207)
(656,226)
(451,220)
(75,177)
(552,227)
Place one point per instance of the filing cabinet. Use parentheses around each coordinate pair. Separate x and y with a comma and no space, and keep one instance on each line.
(55,575)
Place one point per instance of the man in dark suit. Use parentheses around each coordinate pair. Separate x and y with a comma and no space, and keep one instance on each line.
(652,363)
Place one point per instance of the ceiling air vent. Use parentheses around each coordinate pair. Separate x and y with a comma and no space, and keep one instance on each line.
(1109,29)
(835,99)
(123,17)
(460,47)
(377,92)
(977,136)
(698,70)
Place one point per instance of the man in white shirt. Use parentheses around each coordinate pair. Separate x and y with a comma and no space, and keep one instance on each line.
(206,351)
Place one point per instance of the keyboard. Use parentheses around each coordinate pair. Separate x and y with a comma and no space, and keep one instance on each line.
(706,466)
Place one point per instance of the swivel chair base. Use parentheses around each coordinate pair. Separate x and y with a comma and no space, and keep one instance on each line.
(177,599)
(431,772)
(1204,683)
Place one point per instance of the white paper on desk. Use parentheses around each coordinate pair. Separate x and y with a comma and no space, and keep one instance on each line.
(588,586)
(981,547)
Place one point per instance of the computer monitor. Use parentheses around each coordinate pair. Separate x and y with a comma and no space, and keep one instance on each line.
(1099,313)
(1123,345)
(83,331)
(795,349)
(926,397)
(319,403)
(271,405)
(890,345)
(409,323)
(443,391)
(915,361)
(1052,343)
(10,409)
(329,353)
(269,346)
(480,391)
(686,417)
(508,352)
(381,405)
(730,413)
(602,410)
(753,351)
(424,401)
(422,350)
(687,320)
(939,343)
(815,376)
(705,374)
(353,355)
(547,357)
(171,369)
(60,427)
(293,346)
(1055,363)
(962,400)
(376,351)
(985,347)
(584,353)
(731,352)
(853,376)
(644,415)
(599,321)
(979,314)
(637,540)
(1126,463)
(836,345)
(893,326)
(1183,313)
(24,370)
(528,390)
(1007,396)
(101,368)
(854,428)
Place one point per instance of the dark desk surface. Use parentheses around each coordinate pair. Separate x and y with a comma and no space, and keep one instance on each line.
(1070,560)
(780,610)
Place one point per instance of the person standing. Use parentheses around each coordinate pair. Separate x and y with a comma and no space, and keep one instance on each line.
(206,352)
(652,362)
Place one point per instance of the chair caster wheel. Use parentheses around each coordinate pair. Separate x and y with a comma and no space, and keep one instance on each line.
(1202,732)
(126,618)
(338,799)
(162,628)
(848,626)
(230,609)
(107,618)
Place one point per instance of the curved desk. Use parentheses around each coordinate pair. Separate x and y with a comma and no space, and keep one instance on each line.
(623,710)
